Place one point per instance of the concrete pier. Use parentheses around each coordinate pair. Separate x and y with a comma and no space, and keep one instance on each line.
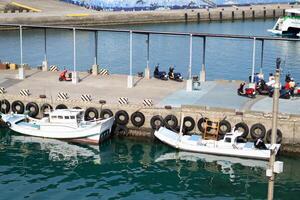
(215,99)
(53,12)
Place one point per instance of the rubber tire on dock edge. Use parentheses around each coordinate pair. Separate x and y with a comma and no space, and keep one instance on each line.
(87,112)
(169,118)
(119,120)
(192,124)
(259,126)
(17,104)
(137,115)
(278,136)
(7,106)
(36,110)
(153,120)
(106,112)
(244,127)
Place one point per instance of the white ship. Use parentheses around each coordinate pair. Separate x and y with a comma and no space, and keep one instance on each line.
(64,124)
(289,24)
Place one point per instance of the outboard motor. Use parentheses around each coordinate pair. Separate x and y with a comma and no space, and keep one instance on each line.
(259,144)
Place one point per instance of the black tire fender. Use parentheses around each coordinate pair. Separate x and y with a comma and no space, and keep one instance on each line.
(262,131)
(106,113)
(18,107)
(122,117)
(61,106)
(7,106)
(137,119)
(156,122)
(89,111)
(244,127)
(278,136)
(201,123)
(33,109)
(171,121)
(188,124)
(224,127)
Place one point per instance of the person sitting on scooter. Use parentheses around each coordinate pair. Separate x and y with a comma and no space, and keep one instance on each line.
(171,72)
(292,86)
(241,88)
(271,82)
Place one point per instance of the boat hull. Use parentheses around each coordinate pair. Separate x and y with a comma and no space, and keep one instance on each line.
(210,147)
(92,133)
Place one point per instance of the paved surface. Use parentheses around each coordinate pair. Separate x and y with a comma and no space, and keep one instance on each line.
(221,94)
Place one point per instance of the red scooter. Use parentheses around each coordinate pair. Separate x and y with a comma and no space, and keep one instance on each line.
(63,76)
(249,91)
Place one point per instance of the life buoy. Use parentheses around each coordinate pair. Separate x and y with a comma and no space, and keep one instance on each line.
(156,122)
(106,113)
(61,106)
(258,131)
(8,124)
(137,119)
(17,107)
(5,106)
(278,136)
(121,130)
(224,127)
(33,109)
(243,127)
(171,121)
(201,124)
(122,117)
(188,124)
(90,114)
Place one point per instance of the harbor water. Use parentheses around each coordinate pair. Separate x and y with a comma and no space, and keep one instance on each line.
(127,168)
(225,58)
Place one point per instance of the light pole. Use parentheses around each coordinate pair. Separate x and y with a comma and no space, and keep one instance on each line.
(189,82)
(130,77)
(274,130)
(21,69)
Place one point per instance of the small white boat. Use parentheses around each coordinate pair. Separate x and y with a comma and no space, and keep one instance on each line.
(289,24)
(64,124)
(228,146)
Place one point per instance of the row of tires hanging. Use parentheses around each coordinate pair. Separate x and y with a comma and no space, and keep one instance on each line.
(137,118)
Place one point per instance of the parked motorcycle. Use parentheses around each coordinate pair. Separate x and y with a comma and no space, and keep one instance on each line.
(65,76)
(162,75)
(262,88)
(249,91)
(174,76)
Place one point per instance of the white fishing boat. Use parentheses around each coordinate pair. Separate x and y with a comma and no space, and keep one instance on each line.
(289,24)
(64,124)
(228,146)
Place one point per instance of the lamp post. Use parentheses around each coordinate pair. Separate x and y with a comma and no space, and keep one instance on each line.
(130,78)
(189,82)
(21,69)
(45,62)
(274,130)
(75,74)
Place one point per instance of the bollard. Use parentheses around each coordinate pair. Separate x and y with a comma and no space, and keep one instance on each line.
(21,73)
(147,73)
(45,66)
(95,70)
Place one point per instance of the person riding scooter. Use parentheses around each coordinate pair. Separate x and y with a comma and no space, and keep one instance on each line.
(162,75)
(63,76)
(174,76)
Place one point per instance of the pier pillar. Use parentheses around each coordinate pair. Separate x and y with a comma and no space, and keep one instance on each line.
(130,81)
(203,74)
(45,65)
(203,70)
(21,73)
(95,69)
(147,70)
(75,77)
(130,77)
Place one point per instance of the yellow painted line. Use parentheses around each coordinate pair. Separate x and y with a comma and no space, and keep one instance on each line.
(26,7)
(78,15)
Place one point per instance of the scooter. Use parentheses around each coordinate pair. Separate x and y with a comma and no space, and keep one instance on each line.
(283,93)
(247,92)
(262,88)
(174,76)
(162,75)
(63,76)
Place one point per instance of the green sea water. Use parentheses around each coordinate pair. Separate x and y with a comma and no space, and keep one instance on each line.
(131,168)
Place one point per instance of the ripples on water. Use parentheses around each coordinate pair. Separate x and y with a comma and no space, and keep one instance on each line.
(225,58)
(126,168)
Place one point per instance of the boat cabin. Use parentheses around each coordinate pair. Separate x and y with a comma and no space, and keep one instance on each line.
(293,13)
(67,116)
